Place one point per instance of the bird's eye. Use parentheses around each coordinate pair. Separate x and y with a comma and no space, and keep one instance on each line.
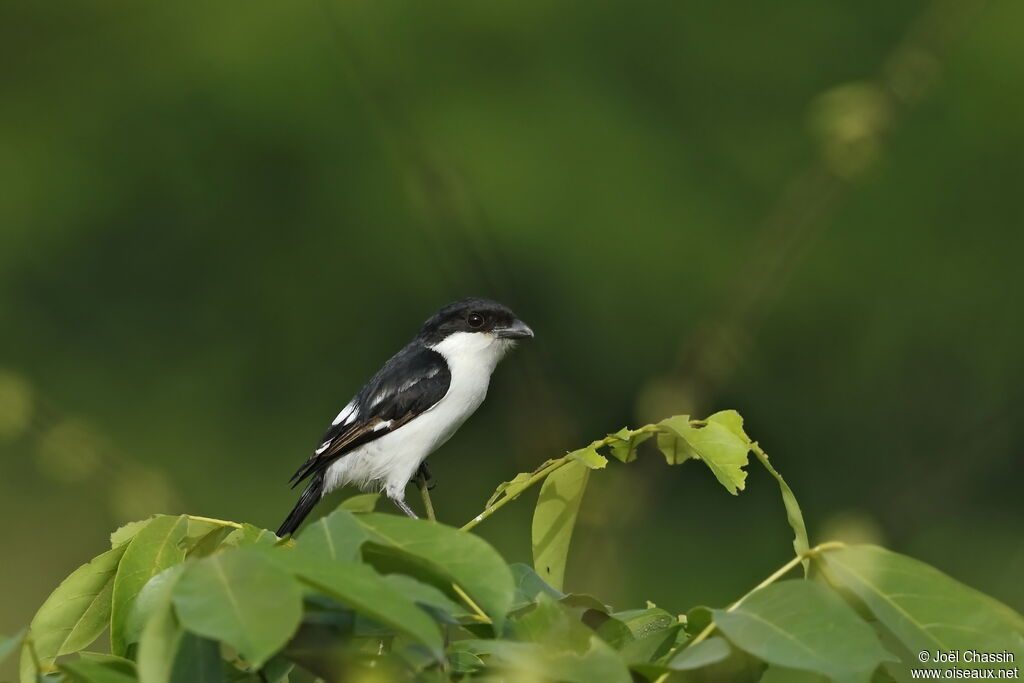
(475,320)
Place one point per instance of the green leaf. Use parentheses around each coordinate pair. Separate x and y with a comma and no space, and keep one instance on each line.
(672,445)
(200,542)
(590,457)
(734,422)
(529,586)
(697,618)
(251,535)
(780,674)
(427,596)
(155,597)
(9,644)
(242,598)
(337,537)
(623,443)
(99,669)
(722,450)
(153,548)
(550,623)
(361,503)
(358,586)
(924,608)
(554,519)
(597,664)
(803,625)
(650,647)
(442,556)
(169,654)
(127,532)
(76,613)
(793,512)
(644,622)
(710,651)
(462,662)
(166,652)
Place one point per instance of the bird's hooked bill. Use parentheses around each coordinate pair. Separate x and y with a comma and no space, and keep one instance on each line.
(517,330)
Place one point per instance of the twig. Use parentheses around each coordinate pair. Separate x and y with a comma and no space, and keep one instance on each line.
(498,504)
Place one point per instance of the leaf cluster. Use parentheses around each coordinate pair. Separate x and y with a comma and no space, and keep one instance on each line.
(360,595)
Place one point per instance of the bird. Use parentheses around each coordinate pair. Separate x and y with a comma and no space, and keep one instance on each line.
(411,406)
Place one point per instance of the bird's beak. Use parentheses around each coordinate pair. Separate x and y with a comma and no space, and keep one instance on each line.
(517,330)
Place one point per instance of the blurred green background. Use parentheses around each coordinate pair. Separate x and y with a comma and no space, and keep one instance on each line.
(218,219)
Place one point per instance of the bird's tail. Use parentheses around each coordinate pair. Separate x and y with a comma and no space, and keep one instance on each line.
(310,497)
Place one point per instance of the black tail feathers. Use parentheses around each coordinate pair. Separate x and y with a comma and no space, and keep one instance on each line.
(309,498)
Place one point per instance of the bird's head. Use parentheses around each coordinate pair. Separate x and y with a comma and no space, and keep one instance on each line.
(477,323)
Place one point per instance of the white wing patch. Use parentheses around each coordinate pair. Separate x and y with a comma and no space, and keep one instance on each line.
(323,446)
(382,425)
(410,383)
(347,414)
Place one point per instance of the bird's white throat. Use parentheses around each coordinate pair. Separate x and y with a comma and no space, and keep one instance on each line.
(474,352)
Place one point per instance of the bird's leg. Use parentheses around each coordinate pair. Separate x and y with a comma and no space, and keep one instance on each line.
(404,507)
(424,476)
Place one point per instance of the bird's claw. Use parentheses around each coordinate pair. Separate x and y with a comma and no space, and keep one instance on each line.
(424,477)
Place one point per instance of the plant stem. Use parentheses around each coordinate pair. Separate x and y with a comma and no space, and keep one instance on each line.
(221,522)
(425,493)
(497,505)
(472,605)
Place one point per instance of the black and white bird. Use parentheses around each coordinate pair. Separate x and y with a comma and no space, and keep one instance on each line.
(411,406)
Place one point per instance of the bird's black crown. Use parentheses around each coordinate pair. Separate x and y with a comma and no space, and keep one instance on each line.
(473,315)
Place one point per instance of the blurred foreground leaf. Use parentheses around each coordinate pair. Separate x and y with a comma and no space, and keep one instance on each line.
(363,502)
(710,651)
(9,644)
(99,669)
(598,663)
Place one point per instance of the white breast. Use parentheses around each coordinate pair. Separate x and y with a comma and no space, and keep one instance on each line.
(391,461)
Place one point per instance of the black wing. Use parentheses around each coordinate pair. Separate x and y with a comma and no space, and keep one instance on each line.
(410,383)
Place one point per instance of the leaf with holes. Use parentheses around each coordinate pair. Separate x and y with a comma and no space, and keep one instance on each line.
(623,443)
(715,443)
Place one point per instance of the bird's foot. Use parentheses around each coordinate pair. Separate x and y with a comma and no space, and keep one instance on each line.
(424,477)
